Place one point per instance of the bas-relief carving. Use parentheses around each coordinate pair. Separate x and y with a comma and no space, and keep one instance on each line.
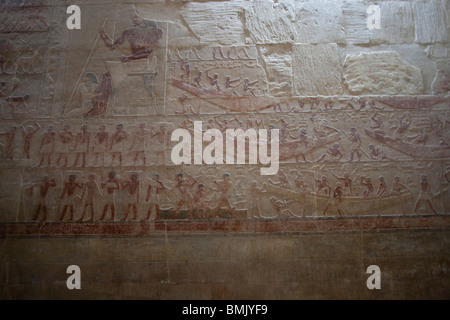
(106,155)
(24,16)
(221,79)
(382,72)
(27,59)
(193,192)
(20,69)
(28,66)
(123,70)
(318,151)
(382,129)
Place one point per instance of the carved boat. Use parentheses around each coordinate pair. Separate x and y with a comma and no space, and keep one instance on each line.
(408,103)
(351,205)
(415,151)
(290,149)
(225,101)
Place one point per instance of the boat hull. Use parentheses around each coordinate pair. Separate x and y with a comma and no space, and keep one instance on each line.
(350,206)
(415,151)
(228,102)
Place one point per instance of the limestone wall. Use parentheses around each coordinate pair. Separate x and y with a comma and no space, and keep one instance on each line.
(88,169)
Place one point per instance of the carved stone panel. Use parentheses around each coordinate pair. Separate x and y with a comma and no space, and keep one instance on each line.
(233,149)
(132,121)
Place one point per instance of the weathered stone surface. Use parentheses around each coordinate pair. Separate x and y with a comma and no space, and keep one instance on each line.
(437,51)
(217,22)
(320,22)
(355,22)
(441,82)
(431,21)
(397,25)
(295,22)
(316,70)
(381,73)
(278,65)
(269,22)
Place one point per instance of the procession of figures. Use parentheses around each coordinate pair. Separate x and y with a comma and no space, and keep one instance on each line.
(210,194)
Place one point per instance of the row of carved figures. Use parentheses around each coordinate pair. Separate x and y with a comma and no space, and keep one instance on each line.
(65,148)
(213,198)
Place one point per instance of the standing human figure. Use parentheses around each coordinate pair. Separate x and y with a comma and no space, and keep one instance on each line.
(335,199)
(68,196)
(367,183)
(155,186)
(254,200)
(111,186)
(82,142)
(346,180)
(302,188)
(223,188)
(302,146)
(101,140)
(90,190)
(138,145)
(117,140)
(64,138)
(183,186)
(28,134)
(44,187)
(132,185)
(199,201)
(47,146)
(355,144)
(160,145)
(425,194)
